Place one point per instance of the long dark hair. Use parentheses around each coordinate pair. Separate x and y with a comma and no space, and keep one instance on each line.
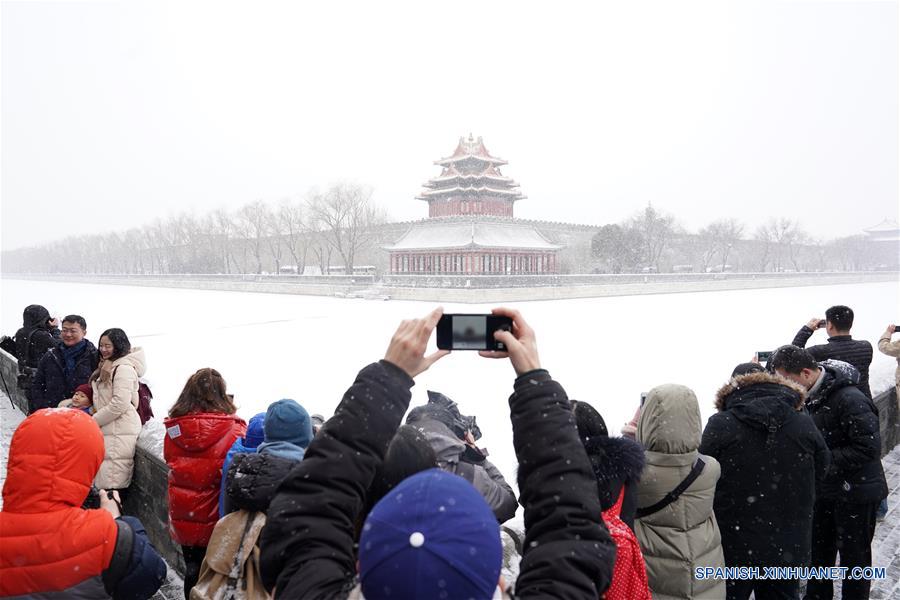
(204,392)
(120,342)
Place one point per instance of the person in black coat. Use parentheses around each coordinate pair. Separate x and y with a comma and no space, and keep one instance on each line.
(841,345)
(307,544)
(64,367)
(847,500)
(772,455)
(39,333)
(617,462)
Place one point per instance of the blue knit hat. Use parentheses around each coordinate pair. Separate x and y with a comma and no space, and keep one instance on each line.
(432,536)
(255,433)
(287,421)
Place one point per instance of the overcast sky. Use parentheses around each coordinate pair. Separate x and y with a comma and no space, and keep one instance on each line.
(118,113)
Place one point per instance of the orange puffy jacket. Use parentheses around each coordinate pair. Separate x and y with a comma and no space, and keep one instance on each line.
(195,448)
(47,541)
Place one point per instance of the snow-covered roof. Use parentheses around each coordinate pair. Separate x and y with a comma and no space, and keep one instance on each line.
(885,226)
(471,148)
(886,231)
(472,234)
(457,175)
(477,190)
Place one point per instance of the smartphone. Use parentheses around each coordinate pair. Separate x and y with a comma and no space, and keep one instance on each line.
(471,332)
(822,324)
(763,356)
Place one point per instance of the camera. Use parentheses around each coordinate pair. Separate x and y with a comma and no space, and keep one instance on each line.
(821,324)
(92,501)
(471,332)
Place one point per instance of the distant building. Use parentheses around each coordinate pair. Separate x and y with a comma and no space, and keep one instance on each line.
(470,227)
(886,231)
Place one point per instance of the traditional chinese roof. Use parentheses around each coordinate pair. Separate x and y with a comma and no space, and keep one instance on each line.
(483,190)
(437,235)
(471,149)
(886,231)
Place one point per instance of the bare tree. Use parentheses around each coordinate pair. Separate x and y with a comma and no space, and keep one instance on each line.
(345,215)
(619,247)
(253,226)
(720,237)
(292,224)
(656,230)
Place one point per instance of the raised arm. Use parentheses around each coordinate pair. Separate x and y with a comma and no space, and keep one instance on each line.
(307,544)
(568,551)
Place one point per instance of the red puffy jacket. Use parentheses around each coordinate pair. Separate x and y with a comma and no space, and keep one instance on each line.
(47,541)
(195,448)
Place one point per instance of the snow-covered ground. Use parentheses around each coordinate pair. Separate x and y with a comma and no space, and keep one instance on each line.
(605,351)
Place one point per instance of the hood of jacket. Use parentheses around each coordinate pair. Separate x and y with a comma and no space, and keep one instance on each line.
(838,374)
(35,316)
(762,401)
(54,456)
(198,432)
(447,447)
(670,420)
(614,459)
(135,359)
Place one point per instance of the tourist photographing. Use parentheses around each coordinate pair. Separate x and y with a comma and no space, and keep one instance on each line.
(52,547)
(39,333)
(840,346)
(434,535)
(772,457)
(848,498)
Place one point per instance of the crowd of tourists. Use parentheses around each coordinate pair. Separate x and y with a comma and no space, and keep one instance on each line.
(367,504)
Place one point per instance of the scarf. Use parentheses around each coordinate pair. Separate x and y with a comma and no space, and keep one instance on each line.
(71,354)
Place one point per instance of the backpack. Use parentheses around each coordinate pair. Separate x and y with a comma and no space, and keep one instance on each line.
(143,408)
(230,569)
(144,396)
(629,580)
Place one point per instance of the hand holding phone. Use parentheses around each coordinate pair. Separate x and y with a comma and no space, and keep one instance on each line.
(407,348)
(763,356)
(520,342)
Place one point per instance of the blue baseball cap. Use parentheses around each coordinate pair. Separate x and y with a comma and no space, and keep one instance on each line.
(432,536)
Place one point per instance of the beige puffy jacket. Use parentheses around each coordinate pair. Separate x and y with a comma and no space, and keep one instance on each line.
(115,404)
(684,535)
(886,346)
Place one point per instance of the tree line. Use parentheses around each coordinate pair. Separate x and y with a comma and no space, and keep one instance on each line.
(653,241)
(342,226)
(324,228)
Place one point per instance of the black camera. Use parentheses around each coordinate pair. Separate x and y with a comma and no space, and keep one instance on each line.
(92,502)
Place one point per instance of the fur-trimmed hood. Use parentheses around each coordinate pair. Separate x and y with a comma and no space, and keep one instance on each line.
(614,459)
(751,379)
(762,401)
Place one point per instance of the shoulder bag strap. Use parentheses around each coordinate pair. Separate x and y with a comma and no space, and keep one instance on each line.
(674,494)
(118,565)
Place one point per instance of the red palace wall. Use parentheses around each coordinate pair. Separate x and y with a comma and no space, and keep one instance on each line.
(476,206)
(473,263)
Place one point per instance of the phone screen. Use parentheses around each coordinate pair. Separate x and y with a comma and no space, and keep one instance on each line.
(470,332)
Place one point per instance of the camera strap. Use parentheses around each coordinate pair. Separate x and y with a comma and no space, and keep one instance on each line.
(674,494)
